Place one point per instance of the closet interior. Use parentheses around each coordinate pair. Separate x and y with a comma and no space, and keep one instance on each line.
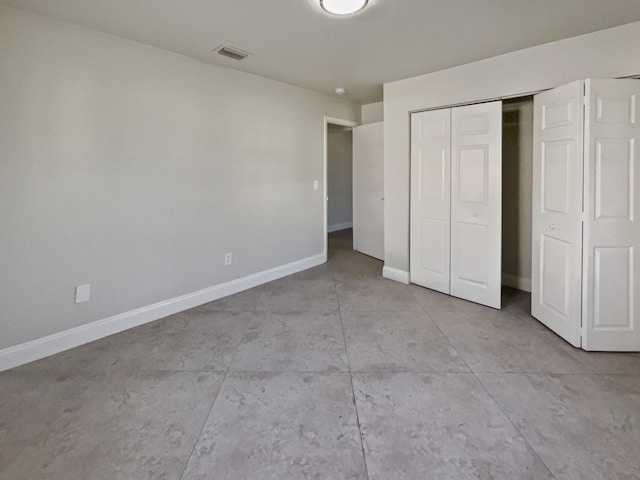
(517,157)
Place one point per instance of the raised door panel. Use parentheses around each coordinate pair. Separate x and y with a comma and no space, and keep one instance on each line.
(476,203)
(557,210)
(430,199)
(555,266)
(611,230)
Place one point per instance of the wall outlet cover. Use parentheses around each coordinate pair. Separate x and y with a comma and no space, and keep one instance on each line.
(83,293)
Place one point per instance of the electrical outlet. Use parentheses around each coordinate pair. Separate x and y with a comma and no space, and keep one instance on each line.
(83,292)
(228,258)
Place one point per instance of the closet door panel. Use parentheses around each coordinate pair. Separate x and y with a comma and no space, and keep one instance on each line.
(430,199)
(476,203)
(611,271)
(557,210)
(472,245)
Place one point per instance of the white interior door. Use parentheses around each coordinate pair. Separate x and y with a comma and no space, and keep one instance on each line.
(368,189)
(611,270)
(430,238)
(557,210)
(476,203)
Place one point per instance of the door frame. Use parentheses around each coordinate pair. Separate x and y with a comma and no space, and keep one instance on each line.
(343,123)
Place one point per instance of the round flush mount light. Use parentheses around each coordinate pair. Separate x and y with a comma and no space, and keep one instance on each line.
(341,90)
(343,7)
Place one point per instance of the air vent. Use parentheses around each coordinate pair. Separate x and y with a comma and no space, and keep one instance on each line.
(232,52)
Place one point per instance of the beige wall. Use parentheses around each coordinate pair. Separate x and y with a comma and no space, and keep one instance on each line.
(372,113)
(135,169)
(517,154)
(339,175)
(609,53)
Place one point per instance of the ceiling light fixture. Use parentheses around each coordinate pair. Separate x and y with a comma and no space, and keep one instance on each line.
(341,90)
(343,7)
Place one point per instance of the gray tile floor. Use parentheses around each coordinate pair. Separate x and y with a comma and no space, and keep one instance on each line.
(333,373)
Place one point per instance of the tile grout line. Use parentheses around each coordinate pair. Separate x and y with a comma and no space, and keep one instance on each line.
(441,331)
(353,390)
(204,423)
(514,425)
(215,398)
(475,375)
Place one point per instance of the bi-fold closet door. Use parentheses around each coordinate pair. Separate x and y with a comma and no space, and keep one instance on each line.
(586,199)
(456,201)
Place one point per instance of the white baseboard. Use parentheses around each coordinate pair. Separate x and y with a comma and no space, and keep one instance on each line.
(514,281)
(339,226)
(58,342)
(396,274)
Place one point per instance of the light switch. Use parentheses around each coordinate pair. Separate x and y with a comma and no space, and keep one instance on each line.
(316,184)
(83,292)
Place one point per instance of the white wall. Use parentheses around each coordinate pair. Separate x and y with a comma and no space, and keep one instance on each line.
(135,169)
(372,113)
(339,177)
(609,53)
(517,156)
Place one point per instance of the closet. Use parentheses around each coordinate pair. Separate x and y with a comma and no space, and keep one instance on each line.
(585,194)
(586,198)
(456,201)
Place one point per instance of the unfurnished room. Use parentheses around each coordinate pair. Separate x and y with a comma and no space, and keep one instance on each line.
(319,239)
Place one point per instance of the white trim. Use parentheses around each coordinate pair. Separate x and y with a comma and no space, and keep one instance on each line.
(343,123)
(514,281)
(339,226)
(396,274)
(58,342)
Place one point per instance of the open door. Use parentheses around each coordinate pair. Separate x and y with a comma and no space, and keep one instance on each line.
(557,210)
(368,189)
(476,203)
(430,237)
(611,270)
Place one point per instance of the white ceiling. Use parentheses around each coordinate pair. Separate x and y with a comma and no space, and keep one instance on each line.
(294,42)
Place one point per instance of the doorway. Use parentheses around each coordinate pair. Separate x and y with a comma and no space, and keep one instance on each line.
(354,184)
(337,135)
(339,178)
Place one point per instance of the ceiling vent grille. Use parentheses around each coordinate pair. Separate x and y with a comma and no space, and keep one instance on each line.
(232,52)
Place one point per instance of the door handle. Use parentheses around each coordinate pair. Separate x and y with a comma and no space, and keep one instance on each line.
(552,227)
(474,215)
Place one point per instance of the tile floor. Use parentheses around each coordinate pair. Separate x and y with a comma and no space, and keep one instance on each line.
(333,373)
